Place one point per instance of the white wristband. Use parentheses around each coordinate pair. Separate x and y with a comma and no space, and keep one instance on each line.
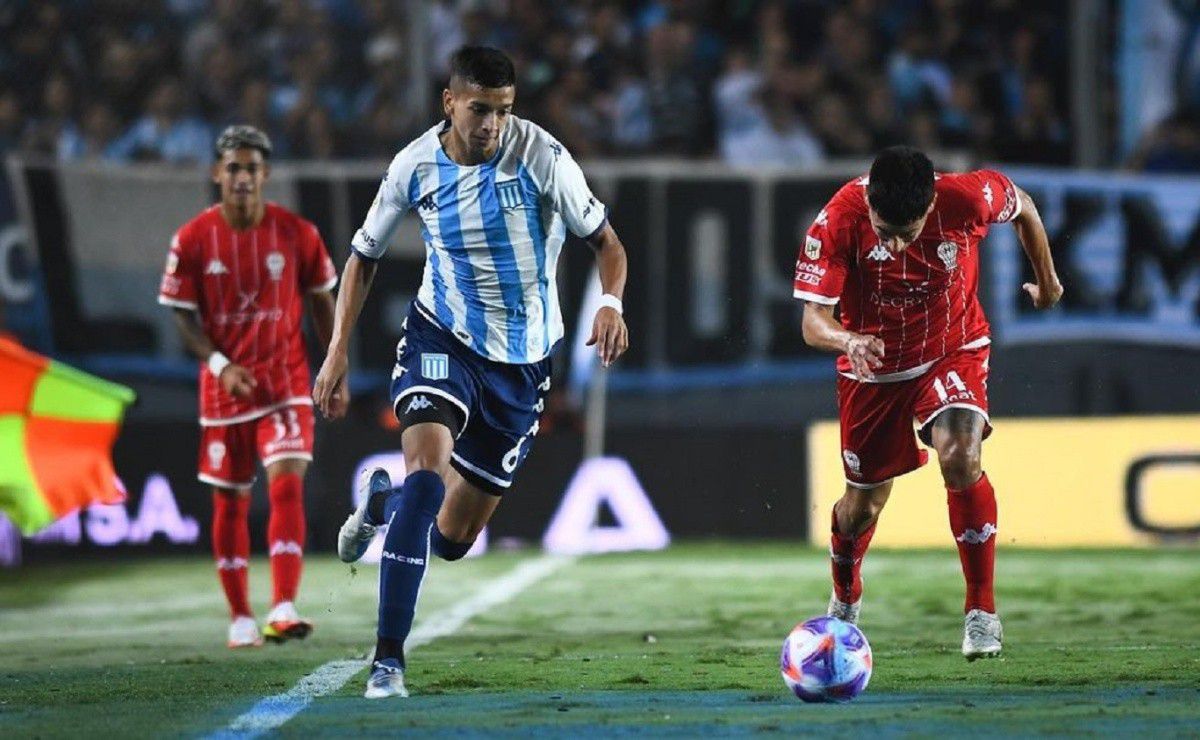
(217,363)
(611,301)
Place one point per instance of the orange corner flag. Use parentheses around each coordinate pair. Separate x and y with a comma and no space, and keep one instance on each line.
(57,428)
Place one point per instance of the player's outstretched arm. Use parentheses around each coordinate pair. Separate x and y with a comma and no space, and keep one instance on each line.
(822,331)
(609,333)
(1032,234)
(235,379)
(330,393)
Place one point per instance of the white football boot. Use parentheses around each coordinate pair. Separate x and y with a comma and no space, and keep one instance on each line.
(843,611)
(243,632)
(982,635)
(386,680)
(285,623)
(356,533)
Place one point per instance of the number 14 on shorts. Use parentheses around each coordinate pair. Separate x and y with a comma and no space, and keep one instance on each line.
(952,388)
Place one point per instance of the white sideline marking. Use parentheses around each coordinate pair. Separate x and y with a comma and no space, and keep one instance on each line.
(273,711)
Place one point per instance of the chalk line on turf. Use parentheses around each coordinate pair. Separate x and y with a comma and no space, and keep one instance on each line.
(272,712)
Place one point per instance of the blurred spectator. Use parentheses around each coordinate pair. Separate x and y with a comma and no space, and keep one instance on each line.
(796,79)
(54,131)
(678,108)
(165,131)
(99,130)
(254,108)
(11,120)
(1172,146)
(842,133)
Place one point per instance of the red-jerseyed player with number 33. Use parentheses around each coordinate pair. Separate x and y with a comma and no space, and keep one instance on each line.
(237,276)
(898,251)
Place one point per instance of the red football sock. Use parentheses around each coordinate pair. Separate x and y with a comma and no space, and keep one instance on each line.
(231,548)
(846,555)
(285,535)
(973,523)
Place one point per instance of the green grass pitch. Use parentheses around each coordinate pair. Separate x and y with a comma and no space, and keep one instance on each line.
(683,642)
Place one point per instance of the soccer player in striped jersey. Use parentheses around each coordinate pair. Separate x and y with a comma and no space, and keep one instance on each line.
(238,277)
(495,196)
(897,252)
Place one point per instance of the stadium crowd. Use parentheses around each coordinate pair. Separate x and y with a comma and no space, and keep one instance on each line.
(748,81)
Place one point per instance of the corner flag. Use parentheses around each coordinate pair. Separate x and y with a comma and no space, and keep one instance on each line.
(57,428)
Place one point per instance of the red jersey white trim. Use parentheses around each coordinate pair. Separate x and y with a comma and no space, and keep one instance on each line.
(921,302)
(815,298)
(256,413)
(326,286)
(913,372)
(247,287)
(177,304)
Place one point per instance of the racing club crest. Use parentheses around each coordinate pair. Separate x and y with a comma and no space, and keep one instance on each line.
(509,194)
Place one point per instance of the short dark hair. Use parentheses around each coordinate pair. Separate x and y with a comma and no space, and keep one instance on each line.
(242,137)
(483,66)
(900,187)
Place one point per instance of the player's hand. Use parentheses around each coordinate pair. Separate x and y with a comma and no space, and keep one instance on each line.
(866,354)
(1044,296)
(330,391)
(237,381)
(610,335)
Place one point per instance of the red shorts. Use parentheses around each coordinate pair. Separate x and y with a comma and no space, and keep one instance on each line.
(878,440)
(228,452)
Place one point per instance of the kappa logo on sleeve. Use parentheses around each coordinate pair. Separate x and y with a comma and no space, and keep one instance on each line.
(418,403)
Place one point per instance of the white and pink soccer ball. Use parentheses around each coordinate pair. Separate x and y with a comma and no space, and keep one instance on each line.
(826,660)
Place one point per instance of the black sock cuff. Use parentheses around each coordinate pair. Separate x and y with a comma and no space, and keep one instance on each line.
(447,549)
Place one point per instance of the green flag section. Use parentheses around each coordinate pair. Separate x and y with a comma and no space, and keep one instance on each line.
(57,428)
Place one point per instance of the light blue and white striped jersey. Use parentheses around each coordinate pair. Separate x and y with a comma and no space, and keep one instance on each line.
(492,235)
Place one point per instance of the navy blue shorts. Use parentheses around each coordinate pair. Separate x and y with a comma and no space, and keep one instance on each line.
(500,403)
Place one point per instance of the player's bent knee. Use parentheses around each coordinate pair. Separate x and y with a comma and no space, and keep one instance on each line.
(960,461)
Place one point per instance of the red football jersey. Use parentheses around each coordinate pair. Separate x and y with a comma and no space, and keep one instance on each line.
(247,287)
(923,301)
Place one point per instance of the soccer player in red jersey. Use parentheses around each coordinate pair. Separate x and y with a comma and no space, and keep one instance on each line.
(238,276)
(897,252)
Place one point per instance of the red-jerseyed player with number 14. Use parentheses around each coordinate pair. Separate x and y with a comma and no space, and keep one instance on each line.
(237,276)
(898,251)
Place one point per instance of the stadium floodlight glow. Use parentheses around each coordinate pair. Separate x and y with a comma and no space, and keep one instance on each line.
(611,480)
(393,463)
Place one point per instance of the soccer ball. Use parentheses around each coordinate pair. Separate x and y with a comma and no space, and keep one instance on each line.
(826,659)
